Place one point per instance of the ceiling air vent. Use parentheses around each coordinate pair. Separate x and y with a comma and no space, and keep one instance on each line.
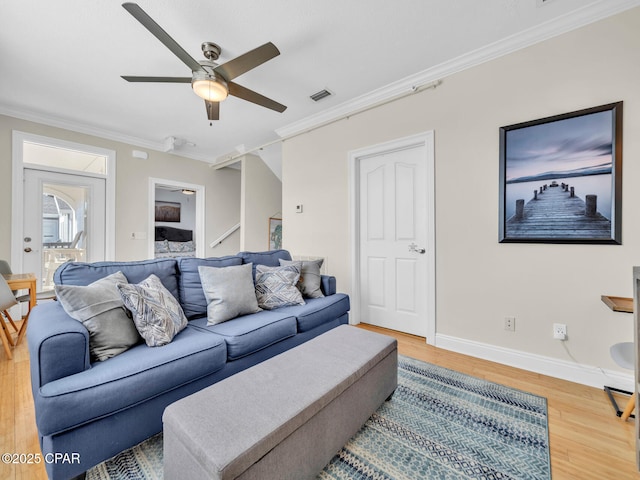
(316,97)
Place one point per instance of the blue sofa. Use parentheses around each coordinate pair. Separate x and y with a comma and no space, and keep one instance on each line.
(92,411)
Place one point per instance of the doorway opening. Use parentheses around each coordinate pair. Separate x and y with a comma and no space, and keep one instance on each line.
(63,196)
(64,218)
(176,219)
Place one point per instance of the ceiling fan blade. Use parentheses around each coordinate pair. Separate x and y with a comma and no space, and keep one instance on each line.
(157,31)
(213,110)
(254,97)
(239,65)
(129,78)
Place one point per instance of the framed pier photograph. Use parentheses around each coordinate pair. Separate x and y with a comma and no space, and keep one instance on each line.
(561,178)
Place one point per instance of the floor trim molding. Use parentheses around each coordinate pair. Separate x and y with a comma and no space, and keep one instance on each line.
(553,367)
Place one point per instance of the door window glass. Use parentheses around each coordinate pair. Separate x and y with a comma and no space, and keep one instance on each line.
(49,156)
(64,210)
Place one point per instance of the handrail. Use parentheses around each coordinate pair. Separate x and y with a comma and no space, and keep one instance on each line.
(222,237)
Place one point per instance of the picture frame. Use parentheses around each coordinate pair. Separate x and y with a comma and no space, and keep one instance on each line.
(275,233)
(561,178)
(167,211)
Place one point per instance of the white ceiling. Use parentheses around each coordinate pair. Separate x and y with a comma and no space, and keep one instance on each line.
(62,60)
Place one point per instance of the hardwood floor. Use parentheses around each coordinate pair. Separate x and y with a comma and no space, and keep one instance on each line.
(18,432)
(587,440)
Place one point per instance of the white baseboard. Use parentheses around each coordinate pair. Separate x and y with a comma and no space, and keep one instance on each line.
(553,367)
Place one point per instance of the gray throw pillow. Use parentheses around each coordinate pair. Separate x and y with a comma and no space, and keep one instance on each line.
(100,308)
(229,292)
(156,313)
(310,280)
(276,286)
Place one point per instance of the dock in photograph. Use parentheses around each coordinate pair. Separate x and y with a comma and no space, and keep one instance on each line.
(556,211)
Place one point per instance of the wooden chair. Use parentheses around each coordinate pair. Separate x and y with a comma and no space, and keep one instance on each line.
(5,268)
(623,354)
(7,300)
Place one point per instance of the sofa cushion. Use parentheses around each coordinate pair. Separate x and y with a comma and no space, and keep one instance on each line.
(157,315)
(80,273)
(270,258)
(276,286)
(318,311)
(229,292)
(192,296)
(136,375)
(99,307)
(309,282)
(250,333)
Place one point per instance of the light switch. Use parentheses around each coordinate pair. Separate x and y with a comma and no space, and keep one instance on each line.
(299,208)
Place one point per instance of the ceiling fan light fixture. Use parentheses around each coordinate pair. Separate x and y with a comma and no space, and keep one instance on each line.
(209,80)
(188,191)
(209,87)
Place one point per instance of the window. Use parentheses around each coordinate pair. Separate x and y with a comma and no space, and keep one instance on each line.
(49,156)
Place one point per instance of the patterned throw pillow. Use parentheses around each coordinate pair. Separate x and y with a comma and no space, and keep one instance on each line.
(310,280)
(161,246)
(181,246)
(276,286)
(156,313)
(99,307)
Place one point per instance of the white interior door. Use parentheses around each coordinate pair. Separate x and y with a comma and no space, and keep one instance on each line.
(396,285)
(63,220)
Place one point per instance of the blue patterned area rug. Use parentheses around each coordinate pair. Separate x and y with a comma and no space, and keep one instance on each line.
(440,424)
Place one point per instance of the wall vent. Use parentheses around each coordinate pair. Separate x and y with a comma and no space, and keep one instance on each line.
(316,97)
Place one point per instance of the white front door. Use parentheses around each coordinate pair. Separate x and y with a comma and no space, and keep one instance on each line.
(63,220)
(396,245)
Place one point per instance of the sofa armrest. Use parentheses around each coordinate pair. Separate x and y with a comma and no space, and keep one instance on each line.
(328,284)
(58,344)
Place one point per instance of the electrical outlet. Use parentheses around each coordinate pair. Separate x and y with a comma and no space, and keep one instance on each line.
(559,331)
(510,324)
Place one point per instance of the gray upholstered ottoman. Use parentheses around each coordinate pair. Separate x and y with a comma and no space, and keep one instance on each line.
(284,418)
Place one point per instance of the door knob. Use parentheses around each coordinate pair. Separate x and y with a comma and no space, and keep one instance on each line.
(28,249)
(414,248)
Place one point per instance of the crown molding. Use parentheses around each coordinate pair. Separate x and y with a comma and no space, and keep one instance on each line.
(58,122)
(591,13)
(578,18)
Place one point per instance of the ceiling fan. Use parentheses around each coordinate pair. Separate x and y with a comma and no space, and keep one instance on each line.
(210,81)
